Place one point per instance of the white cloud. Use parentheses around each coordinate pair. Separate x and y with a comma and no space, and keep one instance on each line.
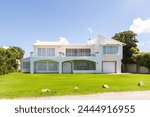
(90,30)
(140,26)
(63,40)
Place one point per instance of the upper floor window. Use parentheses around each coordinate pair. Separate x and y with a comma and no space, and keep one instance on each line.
(78,52)
(110,49)
(50,51)
(46,51)
(41,51)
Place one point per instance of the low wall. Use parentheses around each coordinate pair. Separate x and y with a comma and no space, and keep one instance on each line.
(143,70)
(133,68)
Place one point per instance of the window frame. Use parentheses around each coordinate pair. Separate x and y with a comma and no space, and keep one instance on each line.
(78,51)
(26,65)
(50,52)
(110,50)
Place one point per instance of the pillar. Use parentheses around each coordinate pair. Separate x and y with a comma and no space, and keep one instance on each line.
(60,67)
(31,63)
(98,66)
(118,70)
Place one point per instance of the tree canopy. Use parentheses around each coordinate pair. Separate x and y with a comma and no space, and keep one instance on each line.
(19,52)
(8,59)
(143,59)
(130,48)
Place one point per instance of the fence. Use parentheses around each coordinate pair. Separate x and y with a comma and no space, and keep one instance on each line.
(133,68)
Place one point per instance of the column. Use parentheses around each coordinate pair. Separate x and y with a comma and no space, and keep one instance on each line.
(31,63)
(118,66)
(60,67)
(98,66)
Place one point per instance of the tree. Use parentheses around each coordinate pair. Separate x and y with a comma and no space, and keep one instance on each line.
(8,59)
(138,59)
(20,52)
(129,38)
(3,65)
(146,60)
(142,59)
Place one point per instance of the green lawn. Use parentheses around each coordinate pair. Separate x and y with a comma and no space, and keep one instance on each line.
(17,85)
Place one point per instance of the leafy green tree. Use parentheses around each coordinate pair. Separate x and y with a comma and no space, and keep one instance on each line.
(138,59)
(142,59)
(2,53)
(8,59)
(146,60)
(129,38)
(20,53)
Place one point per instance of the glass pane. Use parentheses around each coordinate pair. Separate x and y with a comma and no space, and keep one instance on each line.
(52,66)
(42,66)
(110,49)
(84,65)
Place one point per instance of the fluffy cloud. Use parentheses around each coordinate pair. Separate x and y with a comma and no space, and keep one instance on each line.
(140,26)
(90,30)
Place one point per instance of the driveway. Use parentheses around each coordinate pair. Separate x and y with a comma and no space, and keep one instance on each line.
(133,95)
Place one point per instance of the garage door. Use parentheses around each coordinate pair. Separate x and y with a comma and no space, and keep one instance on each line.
(109,67)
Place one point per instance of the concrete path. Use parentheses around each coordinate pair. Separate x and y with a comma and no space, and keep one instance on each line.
(134,95)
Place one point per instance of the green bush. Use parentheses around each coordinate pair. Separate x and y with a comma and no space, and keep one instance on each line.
(8,59)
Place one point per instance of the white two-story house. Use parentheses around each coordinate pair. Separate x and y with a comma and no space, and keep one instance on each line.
(97,55)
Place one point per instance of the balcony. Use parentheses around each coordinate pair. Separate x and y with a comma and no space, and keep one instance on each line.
(62,57)
(61,54)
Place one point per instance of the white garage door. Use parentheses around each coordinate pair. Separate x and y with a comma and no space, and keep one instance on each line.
(109,67)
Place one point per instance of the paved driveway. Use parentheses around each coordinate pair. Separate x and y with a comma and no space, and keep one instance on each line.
(134,95)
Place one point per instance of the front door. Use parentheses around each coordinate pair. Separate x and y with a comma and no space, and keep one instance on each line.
(67,67)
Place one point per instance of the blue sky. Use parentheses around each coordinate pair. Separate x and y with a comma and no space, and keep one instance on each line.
(22,22)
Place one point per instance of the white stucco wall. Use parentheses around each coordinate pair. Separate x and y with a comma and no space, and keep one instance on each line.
(96,46)
(25,60)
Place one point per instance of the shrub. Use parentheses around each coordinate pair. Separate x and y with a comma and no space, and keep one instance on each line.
(8,59)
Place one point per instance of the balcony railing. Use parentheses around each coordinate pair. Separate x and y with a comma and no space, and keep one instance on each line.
(61,54)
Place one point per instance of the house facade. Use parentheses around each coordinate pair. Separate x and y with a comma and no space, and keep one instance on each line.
(97,55)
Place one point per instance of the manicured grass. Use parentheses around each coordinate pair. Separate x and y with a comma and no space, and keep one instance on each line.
(17,85)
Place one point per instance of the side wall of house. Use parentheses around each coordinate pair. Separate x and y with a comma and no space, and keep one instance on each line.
(25,65)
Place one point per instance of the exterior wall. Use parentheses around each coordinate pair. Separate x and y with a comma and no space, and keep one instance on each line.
(132,68)
(118,67)
(143,70)
(84,71)
(97,56)
(25,69)
(95,59)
